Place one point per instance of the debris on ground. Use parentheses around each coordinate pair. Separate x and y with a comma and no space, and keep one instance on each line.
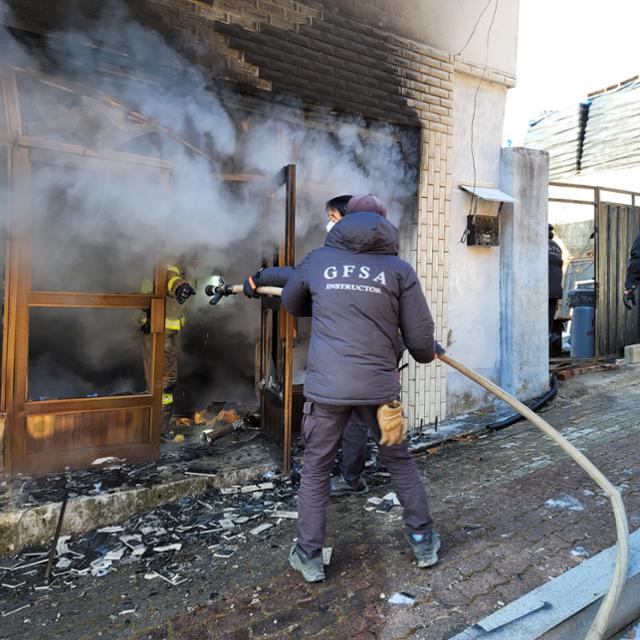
(565,501)
(227,416)
(153,543)
(109,475)
(219,414)
(108,460)
(221,419)
(382,505)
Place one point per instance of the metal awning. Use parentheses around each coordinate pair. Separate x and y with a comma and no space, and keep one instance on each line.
(486,192)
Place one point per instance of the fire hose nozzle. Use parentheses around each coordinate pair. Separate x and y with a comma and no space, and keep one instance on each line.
(217,289)
(219,292)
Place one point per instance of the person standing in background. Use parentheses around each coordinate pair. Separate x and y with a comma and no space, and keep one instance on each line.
(555,283)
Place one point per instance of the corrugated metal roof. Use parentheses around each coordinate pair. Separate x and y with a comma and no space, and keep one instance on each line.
(603,133)
(612,137)
(559,134)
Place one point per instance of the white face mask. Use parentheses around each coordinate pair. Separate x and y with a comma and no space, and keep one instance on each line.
(330,225)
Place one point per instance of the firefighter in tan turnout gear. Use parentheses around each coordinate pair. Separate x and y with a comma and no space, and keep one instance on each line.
(178,292)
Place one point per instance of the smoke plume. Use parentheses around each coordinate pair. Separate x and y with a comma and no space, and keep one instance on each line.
(116,84)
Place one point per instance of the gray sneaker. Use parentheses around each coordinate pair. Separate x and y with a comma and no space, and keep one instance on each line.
(312,569)
(341,487)
(425,549)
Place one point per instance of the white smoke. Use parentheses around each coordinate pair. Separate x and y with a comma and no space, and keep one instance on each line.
(96,227)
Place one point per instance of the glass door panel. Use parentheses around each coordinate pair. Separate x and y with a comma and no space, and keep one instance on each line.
(93,231)
(86,353)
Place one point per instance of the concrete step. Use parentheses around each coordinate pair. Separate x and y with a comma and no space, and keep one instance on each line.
(26,525)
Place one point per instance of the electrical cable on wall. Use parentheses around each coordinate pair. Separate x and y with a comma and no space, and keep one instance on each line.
(475,26)
(473,206)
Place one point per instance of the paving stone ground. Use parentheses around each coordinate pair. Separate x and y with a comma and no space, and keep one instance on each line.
(511,509)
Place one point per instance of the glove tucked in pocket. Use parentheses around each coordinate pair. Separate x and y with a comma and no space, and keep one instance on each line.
(392,423)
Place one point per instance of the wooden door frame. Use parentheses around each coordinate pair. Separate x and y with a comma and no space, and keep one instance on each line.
(271,312)
(21,151)
(22,299)
(289,320)
(13,128)
(19,298)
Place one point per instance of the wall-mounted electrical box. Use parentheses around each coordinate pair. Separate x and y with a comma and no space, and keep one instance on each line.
(483,231)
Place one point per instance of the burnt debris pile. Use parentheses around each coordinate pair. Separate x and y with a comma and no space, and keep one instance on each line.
(151,544)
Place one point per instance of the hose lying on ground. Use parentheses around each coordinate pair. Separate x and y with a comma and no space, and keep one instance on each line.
(609,602)
(537,404)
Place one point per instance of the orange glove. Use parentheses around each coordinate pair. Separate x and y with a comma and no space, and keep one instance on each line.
(392,423)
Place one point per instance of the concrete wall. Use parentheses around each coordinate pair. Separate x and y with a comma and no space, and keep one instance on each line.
(446,25)
(474,274)
(524,272)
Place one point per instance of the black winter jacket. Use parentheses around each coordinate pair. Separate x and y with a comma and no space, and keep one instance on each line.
(361,295)
(633,270)
(555,270)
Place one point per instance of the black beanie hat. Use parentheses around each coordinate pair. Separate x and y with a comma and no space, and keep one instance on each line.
(339,203)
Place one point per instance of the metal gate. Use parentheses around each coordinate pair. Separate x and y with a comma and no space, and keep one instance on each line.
(617,227)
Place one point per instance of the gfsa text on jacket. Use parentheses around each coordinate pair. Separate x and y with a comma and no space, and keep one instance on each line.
(344,286)
(349,271)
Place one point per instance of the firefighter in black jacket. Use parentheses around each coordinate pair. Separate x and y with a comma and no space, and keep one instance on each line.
(363,297)
(633,275)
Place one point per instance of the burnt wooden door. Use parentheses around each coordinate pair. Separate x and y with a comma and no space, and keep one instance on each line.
(617,226)
(54,419)
(277,338)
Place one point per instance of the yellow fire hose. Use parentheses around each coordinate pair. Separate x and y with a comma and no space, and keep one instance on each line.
(600,622)
(263,291)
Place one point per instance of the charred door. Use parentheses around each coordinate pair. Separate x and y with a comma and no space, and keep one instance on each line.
(618,226)
(83,381)
(85,200)
(277,341)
